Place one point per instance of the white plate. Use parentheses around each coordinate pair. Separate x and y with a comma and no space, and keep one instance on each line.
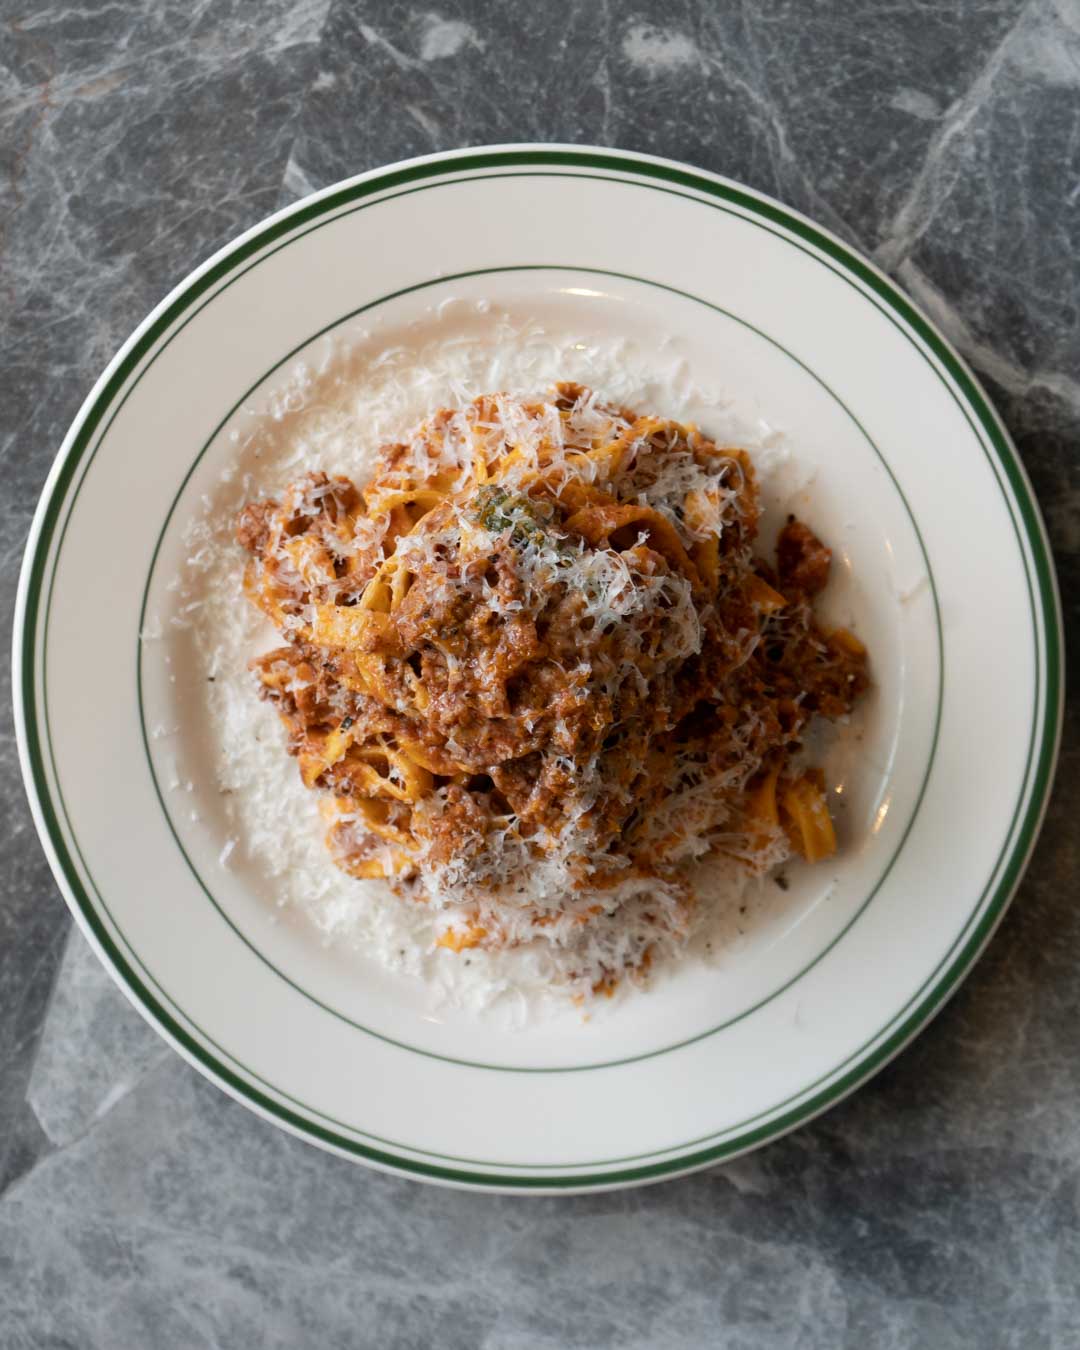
(943,564)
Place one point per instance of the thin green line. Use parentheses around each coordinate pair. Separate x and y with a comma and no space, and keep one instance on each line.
(404,1045)
(1052,711)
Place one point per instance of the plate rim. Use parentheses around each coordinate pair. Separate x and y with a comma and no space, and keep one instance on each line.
(1029,528)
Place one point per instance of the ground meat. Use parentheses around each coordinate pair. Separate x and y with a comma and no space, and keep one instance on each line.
(253,525)
(802,559)
(496,664)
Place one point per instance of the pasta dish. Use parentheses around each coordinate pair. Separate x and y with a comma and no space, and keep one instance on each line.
(536,673)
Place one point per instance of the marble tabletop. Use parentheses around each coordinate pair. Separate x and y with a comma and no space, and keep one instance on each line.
(940,1206)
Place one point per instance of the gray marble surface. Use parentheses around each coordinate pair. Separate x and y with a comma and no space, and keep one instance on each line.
(940,1207)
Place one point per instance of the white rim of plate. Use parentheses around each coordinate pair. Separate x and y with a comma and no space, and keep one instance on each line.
(663,175)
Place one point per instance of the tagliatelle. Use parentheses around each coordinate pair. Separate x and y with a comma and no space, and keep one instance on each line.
(538,672)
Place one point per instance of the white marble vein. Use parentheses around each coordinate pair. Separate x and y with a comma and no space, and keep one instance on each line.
(94,1050)
(931,183)
(990,363)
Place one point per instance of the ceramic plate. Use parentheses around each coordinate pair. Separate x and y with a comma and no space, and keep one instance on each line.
(890,449)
